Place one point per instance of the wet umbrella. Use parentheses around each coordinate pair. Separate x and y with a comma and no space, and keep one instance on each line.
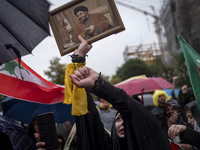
(138,86)
(25,111)
(23,24)
(143,85)
(16,134)
(148,99)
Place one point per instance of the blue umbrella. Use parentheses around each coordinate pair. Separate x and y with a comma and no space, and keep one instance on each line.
(168,91)
(25,111)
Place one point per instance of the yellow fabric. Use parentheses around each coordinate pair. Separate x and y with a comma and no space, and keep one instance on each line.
(156,95)
(74,95)
(132,78)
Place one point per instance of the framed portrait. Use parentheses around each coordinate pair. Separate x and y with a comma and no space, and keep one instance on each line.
(92,19)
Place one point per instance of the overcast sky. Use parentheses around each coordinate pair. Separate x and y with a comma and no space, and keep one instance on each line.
(107,54)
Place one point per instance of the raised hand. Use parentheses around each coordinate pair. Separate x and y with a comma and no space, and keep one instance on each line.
(175,130)
(84,77)
(172,119)
(83,48)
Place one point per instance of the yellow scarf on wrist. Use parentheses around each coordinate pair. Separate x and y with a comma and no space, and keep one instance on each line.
(74,95)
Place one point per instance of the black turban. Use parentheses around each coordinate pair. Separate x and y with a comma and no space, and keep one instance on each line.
(80,8)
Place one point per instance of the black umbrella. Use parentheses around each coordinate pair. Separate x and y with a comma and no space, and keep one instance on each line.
(23,24)
(17,135)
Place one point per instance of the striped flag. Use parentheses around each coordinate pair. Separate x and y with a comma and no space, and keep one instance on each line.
(26,84)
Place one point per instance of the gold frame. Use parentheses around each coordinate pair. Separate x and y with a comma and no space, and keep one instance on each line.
(61,12)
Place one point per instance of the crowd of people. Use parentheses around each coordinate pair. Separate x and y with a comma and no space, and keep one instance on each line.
(133,126)
(121,121)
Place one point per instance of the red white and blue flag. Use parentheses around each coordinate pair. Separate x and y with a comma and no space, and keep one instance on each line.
(31,88)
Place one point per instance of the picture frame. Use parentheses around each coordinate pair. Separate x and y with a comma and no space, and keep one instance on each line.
(104,20)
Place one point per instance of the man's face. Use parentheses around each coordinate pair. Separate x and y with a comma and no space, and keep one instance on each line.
(119,125)
(105,105)
(161,99)
(82,15)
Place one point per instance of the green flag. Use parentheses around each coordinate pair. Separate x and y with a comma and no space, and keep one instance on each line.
(192,59)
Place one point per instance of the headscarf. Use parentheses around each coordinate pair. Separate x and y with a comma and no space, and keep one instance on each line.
(156,95)
(185,98)
(174,103)
(117,142)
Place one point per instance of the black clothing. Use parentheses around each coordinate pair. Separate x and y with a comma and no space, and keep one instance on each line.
(90,131)
(191,137)
(142,129)
(5,142)
(183,99)
(159,113)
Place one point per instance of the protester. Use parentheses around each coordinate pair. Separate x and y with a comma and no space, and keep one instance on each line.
(139,129)
(173,113)
(187,113)
(139,124)
(174,116)
(195,111)
(160,98)
(186,134)
(90,24)
(185,95)
(107,114)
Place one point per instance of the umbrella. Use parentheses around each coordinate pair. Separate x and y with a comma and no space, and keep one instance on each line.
(148,100)
(25,111)
(138,86)
(142,85)
(23,24)
(16,134)
(169,92)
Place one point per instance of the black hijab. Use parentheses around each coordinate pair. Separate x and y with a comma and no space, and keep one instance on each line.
(117,142)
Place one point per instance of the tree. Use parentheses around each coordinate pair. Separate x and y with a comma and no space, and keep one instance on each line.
(180,70)
(133,67)
(115,79)
(56,72)
(157,68)
(2,97)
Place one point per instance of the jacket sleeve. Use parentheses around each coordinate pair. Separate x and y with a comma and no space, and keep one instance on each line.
(117,97)
(191,137)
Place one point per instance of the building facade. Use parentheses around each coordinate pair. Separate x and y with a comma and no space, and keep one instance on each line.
(147,53)
(181,17)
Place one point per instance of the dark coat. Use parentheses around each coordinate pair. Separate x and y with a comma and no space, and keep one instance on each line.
(90,130)
(190,137)
(142,129)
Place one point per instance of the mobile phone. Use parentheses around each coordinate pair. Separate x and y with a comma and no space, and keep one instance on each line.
(47,130)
